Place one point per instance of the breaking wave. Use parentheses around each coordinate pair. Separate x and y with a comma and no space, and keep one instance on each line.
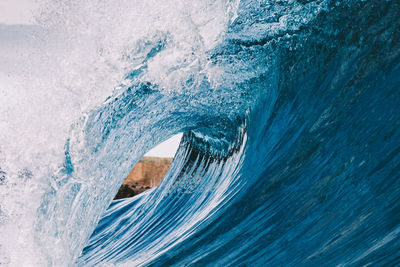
(290,155)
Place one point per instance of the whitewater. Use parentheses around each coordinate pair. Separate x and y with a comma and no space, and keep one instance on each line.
(290,114)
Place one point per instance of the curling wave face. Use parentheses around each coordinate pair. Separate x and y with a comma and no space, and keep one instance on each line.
(290,154)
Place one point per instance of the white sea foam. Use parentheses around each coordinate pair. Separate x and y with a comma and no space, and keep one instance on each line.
(54,73)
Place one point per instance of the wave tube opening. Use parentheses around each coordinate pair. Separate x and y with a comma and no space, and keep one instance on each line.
(150,170)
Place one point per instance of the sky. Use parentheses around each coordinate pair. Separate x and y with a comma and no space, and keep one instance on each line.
(166,149)
(17,12)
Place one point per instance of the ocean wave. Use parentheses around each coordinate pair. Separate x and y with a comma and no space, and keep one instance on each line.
(290,153)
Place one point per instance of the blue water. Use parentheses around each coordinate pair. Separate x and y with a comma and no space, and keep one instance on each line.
(291,148)
(292,159)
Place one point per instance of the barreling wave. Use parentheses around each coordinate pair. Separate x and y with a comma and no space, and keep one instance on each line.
(290,154)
